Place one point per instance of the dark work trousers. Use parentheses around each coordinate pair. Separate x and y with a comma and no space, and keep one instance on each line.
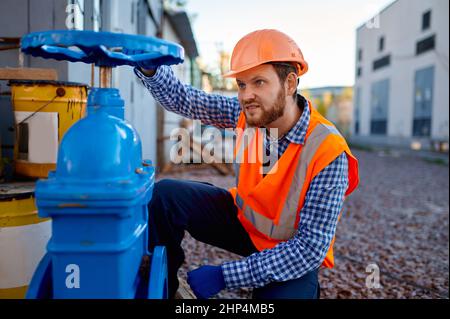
(208,213)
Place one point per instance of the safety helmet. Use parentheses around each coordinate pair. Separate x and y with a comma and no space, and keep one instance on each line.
(263,46)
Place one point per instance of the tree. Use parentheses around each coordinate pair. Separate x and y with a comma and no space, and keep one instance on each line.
(321,107)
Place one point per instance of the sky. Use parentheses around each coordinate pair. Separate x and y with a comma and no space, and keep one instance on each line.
(325,31)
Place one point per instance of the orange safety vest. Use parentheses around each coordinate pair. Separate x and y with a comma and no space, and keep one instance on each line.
(269,207)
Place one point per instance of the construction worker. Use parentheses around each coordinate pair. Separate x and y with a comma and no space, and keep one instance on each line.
(281,221)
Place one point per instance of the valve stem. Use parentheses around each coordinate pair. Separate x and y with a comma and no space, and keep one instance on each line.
(105,76)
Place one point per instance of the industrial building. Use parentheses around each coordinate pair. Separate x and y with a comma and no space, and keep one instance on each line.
(401,94)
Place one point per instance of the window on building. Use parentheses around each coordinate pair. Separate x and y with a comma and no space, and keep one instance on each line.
(360,53)
(425,45)
(426,20)
(382,62)
(381,44)
(358,72)
(379,107)
(423,102)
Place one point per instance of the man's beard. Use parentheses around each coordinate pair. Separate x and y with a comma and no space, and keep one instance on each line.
(268,116)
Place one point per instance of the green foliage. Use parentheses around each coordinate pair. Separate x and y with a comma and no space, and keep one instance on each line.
(361,147)
(321,107)
(436,161)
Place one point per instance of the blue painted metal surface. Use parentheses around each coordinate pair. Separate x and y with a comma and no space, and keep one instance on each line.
(106,99)
(97,199)
(98,195)
(158,288)
(101,48)
(41,285)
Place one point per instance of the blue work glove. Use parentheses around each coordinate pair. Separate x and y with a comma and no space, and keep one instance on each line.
(206,281)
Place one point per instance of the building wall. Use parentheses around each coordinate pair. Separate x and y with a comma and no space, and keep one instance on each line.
(19,17)
(401,26)
(121,16)
(182,71)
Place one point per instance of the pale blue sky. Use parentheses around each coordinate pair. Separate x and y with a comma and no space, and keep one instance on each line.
(325,30)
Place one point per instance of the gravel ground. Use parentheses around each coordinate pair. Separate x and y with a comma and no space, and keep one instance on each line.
(396,222)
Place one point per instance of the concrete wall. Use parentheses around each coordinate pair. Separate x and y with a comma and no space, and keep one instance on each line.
(401,26)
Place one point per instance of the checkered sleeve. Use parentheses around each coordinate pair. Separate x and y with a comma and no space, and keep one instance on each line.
(183,99)
(307,249)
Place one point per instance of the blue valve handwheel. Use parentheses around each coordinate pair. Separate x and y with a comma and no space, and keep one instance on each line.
(102,48)
(158,281)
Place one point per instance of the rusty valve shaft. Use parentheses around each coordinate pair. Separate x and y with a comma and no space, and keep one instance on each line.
(105,76)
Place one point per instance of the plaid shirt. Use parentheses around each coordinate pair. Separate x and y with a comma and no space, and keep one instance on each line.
(319,215)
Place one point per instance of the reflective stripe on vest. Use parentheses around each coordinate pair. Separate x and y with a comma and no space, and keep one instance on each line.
(244,139)
(286,228)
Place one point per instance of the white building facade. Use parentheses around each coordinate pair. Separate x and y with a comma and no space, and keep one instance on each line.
(401,88)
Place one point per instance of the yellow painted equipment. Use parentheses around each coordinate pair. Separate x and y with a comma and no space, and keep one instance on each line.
(23,238)
(44,111)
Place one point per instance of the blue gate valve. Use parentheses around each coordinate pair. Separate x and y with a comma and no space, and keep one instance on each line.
(97,197)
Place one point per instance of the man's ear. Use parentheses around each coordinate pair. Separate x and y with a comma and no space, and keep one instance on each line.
(291,82)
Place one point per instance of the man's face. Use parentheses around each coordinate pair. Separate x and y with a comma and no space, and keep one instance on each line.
(261,95)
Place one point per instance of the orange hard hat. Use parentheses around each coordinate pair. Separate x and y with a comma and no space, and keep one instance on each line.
(263,46)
